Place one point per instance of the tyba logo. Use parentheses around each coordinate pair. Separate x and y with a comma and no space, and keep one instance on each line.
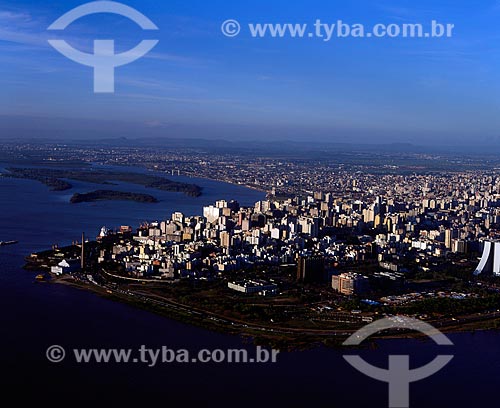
(103,60)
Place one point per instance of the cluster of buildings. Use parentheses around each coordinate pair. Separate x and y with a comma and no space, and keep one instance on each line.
(416,220)
(323,214)
(352,283)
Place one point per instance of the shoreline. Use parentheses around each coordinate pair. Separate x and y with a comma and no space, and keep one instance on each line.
(194,176)
(203,177)
(288,338)
(57,180)
(293,335)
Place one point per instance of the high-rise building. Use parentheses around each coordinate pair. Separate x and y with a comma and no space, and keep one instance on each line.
(221,204)
(459,246)
(225,239)
(311,269)
(212,213)
(350,283)
(178,217)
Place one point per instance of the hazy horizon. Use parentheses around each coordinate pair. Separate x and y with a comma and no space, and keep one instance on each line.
(199,83)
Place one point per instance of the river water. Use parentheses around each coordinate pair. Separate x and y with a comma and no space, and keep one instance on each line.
(35,316)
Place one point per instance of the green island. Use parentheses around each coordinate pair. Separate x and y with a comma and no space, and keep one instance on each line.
(111,195)
(56,179)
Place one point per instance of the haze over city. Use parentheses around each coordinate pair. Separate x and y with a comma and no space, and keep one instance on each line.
(254,204)
(199,83)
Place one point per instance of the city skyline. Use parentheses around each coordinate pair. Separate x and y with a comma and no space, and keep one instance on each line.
(202,200)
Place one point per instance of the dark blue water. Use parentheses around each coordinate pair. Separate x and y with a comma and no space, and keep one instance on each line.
(35,316)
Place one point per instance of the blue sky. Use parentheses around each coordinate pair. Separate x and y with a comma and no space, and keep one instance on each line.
(197,82)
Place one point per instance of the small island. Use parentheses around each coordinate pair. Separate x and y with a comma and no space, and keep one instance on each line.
(57,179)
(110,195)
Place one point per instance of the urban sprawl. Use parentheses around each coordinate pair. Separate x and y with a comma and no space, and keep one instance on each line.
(334,241)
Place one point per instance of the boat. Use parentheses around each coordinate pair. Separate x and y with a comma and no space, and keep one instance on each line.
(3,243)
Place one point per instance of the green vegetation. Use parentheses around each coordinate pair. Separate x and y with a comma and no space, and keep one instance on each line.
(453,307)
(111,195)
(55,178)
(295,318)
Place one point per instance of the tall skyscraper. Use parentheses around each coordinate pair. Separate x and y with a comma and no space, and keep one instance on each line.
(311,269)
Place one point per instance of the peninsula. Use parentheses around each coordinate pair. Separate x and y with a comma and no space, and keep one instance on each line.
(275,272)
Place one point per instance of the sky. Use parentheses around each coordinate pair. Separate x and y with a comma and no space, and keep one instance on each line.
(199,83)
